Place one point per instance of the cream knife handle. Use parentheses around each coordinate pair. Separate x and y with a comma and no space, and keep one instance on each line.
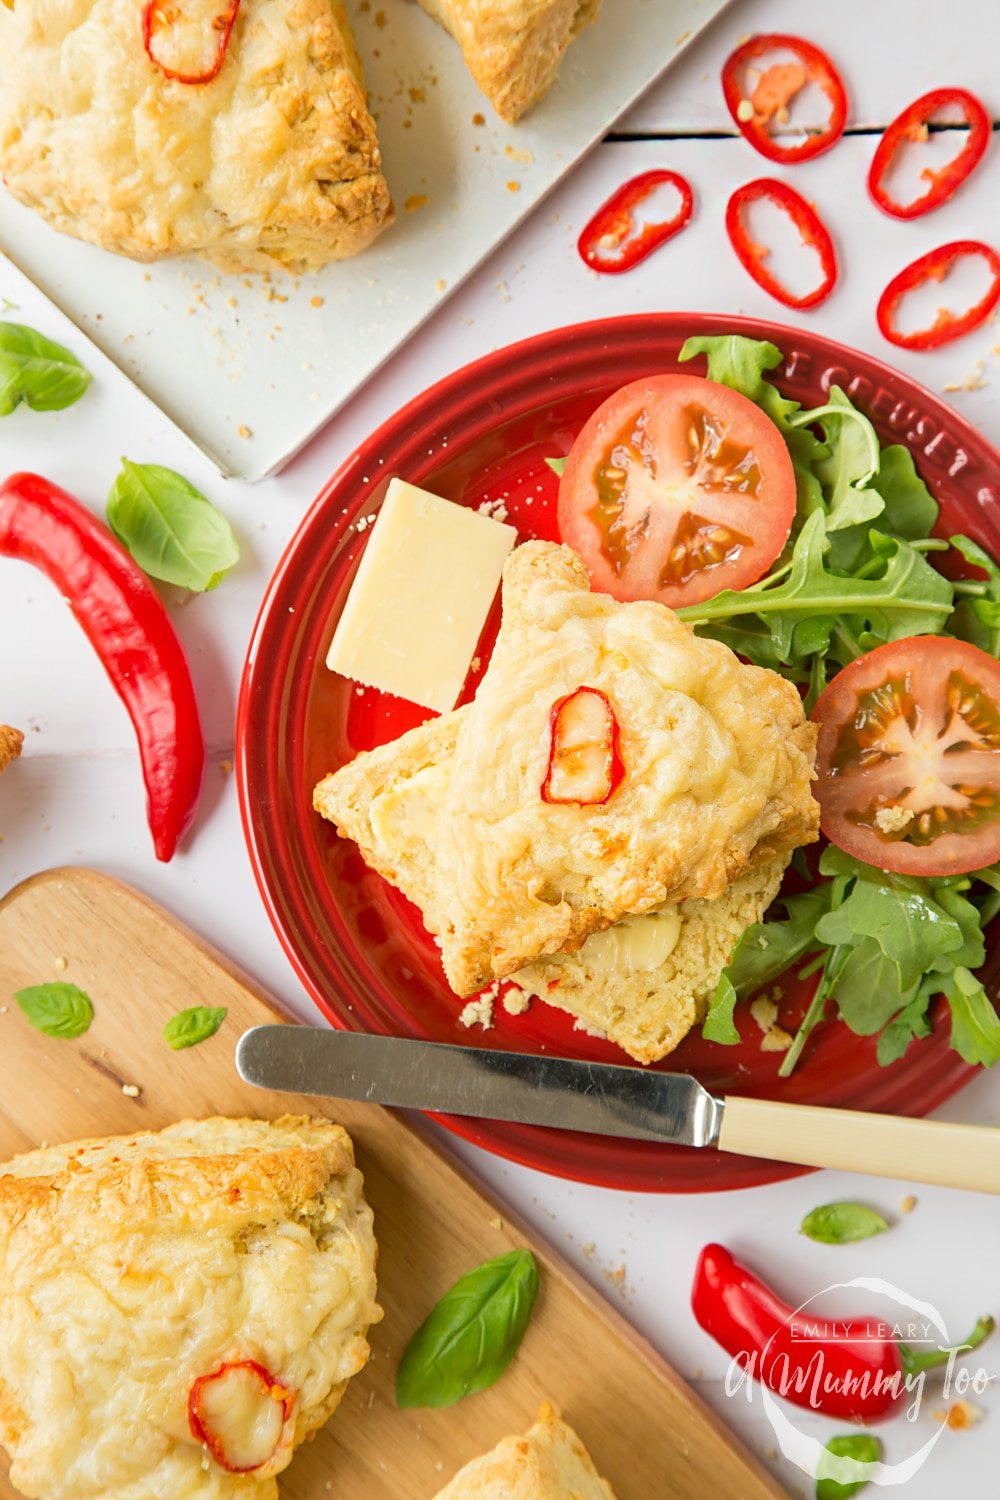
(931,1151)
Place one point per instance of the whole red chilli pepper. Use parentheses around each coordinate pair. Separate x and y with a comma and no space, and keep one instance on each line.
(845,1367)
(752,113)
(934,266)
(129,628)
(614,240)
(911,125)
(806,220)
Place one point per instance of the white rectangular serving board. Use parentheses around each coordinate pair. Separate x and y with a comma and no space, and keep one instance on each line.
(250,368)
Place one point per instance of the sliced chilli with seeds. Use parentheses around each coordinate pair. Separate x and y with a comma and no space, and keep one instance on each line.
(675,489)
(936,265)
(775,88)
(812,231)
(909,757)
(912,125)
(626,229)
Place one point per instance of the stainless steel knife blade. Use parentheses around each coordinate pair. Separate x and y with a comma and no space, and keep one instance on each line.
(567,1093)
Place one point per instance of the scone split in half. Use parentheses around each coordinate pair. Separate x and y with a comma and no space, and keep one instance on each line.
(179,1310)
(621,907)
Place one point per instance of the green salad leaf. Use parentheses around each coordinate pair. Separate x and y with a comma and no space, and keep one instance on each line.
(855,574)
(471,1336)
(170,528)
(807,609)
(842,1223)
(557,465)
(850,1462)
(57,1009)
(37,371)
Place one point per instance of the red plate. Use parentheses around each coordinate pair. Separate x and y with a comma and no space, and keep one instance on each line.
(359,948)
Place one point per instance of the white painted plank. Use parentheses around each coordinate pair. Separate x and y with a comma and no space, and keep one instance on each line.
(888,54)
(538,282)
(77,797)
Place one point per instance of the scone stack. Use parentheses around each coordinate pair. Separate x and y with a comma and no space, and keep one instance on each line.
(603,822)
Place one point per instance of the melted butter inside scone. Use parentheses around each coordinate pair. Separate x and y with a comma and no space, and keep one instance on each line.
(634,945)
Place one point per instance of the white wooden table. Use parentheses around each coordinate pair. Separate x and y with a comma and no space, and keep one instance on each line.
(77,797)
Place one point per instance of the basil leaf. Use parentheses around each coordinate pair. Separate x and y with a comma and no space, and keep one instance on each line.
(37,371)
(169,527)
(842,1223)
(189,1027)
(472,1334)
(975,1025)
(57,1009)
(557,465)
(847,1469)
(718,1025)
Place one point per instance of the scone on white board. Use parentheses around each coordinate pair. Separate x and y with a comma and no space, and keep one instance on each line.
(548,1463)
(179,1309)
(613,762)
(233,130)
(513,48)
(642,983)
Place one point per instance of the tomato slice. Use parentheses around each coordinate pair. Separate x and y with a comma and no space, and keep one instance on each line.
(909,757)
(675,489)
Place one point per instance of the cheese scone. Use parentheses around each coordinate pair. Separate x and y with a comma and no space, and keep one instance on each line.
(271,164)
(548,1463)
(643,983)
(715,761)
(11,741)
(179,1310)
(513,47)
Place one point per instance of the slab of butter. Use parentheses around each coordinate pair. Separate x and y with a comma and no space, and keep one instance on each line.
(427,578)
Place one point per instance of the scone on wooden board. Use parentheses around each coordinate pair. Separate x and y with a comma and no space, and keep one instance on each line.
(11,741)
(642,983)
(179,1309)
(513,48)
(548,1463)
(271,163)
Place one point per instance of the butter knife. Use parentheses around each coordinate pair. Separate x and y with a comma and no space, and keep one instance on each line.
(604,1099)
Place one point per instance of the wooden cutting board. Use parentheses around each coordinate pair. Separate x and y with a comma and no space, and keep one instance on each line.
(651,1436)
